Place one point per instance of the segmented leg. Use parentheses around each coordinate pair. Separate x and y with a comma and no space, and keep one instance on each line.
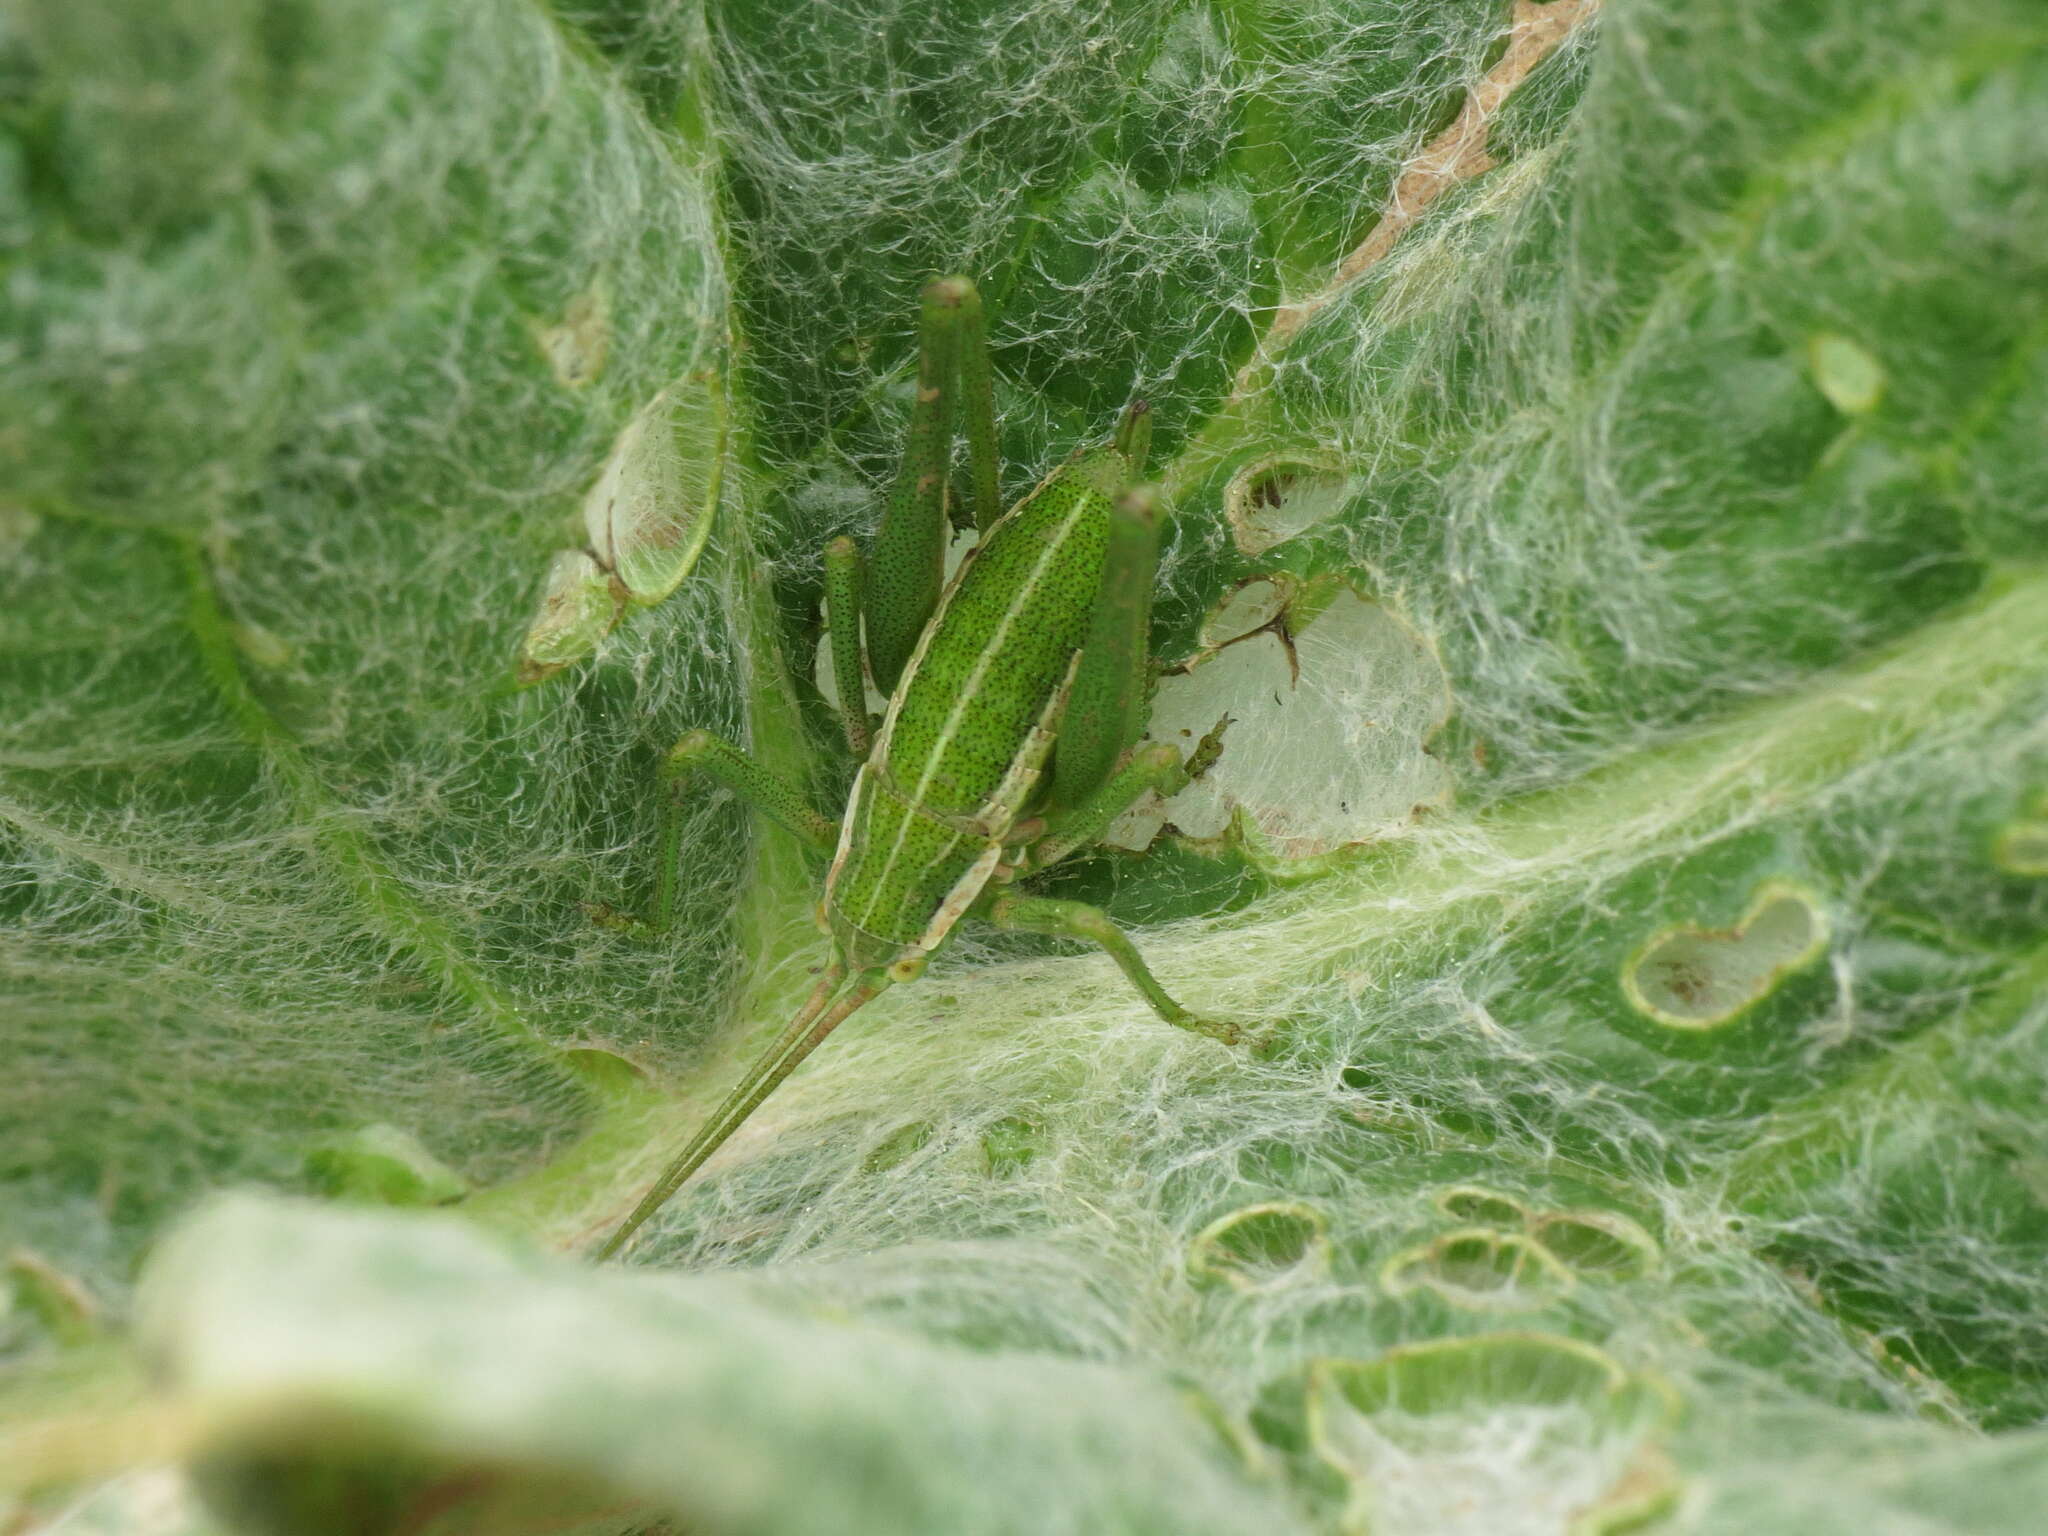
(1134,435)
(769,793)
(1111,695)
(906,568)
(1077,920)
(842,616)
(978,403)
(1157,767)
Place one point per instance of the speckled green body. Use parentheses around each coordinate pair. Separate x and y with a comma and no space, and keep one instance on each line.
(1042,635)
(964,746)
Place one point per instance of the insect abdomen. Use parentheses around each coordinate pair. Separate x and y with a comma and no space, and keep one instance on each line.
(966,732)
(1002,641)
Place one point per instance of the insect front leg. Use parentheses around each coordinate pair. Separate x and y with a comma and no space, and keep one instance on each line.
(1156,768)
(768,792)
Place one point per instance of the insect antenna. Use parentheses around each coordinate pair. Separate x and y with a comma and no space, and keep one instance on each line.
(823,1011)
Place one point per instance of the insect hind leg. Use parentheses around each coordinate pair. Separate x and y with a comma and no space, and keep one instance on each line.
(1078,920)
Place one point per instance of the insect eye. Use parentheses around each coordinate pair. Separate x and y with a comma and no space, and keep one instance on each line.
(909,968)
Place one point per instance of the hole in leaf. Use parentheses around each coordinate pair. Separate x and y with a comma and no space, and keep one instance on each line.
(649,512)
(2022,848)
(1698,978)
(1453,1375)
(645,521)
(1513,1431)
(1270,502)
(1480,1269)
(578,607)
(1846,372)
(1260,1245)
(1598,1243)
(1247,609)
(1235,1437)
(1477,1206)
(1332,709)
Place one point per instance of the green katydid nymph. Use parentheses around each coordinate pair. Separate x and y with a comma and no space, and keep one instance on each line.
(1017,694)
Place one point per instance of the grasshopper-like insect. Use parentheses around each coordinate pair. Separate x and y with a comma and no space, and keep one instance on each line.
(1017,695)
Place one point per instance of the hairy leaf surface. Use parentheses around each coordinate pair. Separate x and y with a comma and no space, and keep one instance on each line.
(1654,1133)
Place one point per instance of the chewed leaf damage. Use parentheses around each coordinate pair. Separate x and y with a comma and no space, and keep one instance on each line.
(1689,977)
(645,520)
(1333,701)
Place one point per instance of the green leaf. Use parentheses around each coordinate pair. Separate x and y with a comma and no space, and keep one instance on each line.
(307,1343)
(1625,422)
